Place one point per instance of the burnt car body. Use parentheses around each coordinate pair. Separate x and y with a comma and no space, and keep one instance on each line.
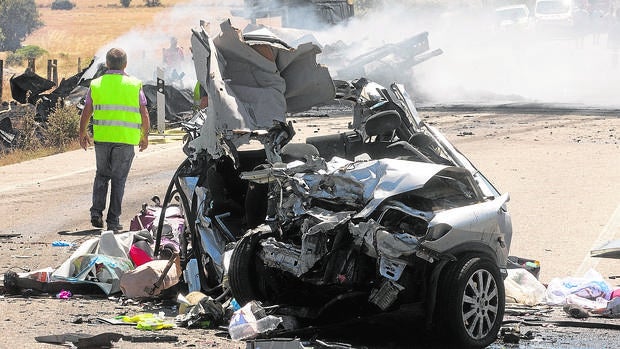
(384,216)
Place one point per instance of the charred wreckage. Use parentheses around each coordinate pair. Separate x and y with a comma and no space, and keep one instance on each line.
(379,218)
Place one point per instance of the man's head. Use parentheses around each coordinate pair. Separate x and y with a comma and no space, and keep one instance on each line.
(116,59)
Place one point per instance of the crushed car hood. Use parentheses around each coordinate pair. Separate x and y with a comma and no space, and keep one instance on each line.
(373,181)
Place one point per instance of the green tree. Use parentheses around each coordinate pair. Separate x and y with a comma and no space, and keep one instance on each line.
(18,18)
(21,54)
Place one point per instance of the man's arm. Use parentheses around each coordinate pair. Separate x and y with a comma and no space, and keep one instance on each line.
(84,119)
(146,126)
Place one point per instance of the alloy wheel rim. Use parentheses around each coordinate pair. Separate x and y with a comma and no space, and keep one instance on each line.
(480,304)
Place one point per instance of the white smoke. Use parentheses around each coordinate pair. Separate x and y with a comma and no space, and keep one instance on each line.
(144,45)
(482,64)
(479,64)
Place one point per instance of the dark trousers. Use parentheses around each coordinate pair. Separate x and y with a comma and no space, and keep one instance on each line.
(113,164)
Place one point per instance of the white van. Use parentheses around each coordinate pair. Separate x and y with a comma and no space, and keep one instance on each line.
(553,16)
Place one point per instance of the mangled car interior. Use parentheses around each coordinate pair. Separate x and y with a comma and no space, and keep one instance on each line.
(371,220)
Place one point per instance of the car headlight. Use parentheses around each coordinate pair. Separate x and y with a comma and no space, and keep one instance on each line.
(438,231)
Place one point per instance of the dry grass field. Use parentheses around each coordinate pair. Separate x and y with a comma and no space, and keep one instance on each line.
(78,34)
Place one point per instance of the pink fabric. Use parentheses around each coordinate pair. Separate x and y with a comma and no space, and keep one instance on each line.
(615,293)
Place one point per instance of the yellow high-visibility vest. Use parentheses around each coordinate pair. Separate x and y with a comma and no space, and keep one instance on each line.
(116,109)
(197,93)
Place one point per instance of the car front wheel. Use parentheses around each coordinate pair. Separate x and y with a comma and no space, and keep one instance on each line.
(471,301)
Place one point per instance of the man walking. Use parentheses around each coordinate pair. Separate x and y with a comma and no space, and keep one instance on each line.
(117,105)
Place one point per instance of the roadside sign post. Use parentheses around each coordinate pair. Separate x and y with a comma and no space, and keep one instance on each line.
(161,101)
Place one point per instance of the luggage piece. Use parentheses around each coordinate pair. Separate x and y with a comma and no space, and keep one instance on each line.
(149,279)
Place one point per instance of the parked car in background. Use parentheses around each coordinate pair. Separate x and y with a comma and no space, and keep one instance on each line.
(512,17)
(554,17)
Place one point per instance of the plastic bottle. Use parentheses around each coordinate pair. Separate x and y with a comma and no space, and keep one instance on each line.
(60,243)
(248,330)
(235,306)
(245,325)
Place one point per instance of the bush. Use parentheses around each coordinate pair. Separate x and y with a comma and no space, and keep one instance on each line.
(125,3)
(30,132)
(62,5)
(63,126)
(20,55)
(14,59)
(152,3)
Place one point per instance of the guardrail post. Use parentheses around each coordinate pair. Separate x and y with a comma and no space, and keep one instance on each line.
(49,69)
(161,101)
(55,71)
(1,77)
(31,65)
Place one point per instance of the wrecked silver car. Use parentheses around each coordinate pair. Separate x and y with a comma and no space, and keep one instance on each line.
(386,215)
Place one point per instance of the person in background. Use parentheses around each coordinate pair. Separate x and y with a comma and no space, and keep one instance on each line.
(173,61)
(173,55)
(120,121)
(201,100)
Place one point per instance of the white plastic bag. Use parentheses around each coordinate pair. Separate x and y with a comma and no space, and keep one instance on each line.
(100,261)
(590,286)
(522,287)
(596,305)
(244,324)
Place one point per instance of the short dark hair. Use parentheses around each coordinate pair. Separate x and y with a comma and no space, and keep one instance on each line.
(116,59)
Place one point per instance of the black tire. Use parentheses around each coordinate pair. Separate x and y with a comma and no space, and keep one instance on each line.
(246,268)
(471,315)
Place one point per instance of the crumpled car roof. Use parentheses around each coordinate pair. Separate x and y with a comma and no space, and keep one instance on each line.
(252,83)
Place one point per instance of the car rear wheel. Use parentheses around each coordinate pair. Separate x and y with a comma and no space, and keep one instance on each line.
(471,301)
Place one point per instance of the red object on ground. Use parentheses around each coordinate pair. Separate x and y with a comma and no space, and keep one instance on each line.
(139,256)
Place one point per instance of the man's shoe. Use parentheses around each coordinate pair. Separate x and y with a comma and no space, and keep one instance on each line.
(97,222)
(115,227)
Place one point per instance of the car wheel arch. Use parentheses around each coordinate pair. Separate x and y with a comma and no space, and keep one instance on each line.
(450,297)
(465,250)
